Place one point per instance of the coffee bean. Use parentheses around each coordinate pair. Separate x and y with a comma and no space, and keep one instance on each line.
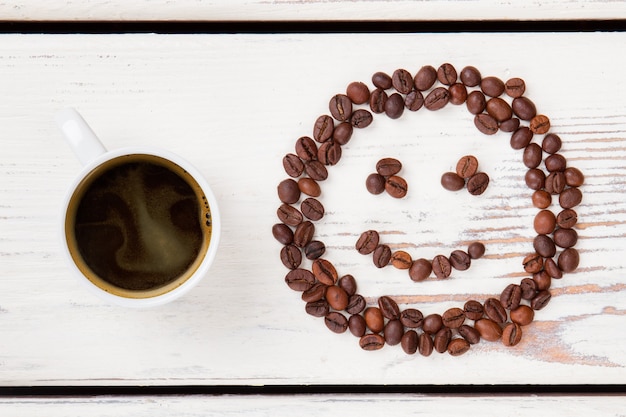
(574,177)
(378,100)
(336,322)
(291,256)
(540,124)
(394,107)
(555,162)
(473,310)
(388,166)
(476,250)
(361,118)
(470,76)
(532,155)
(306,149)
(568,260)
(312,209)
(409,342)
(381,256)
(476,102)
(393,332)
(309,186)
(411,318)
(367,242)
(486,124)
(340,107)
(442,339)
(323,128)
(515,87)
(446,74)
(521,138)
(529,288)
(499,109)
(488,329)
(324,271)
(535,179)
(541,199)
(552,269)
(523,108)
(289,215)
(511,296)
(458,346)
(315,293)
(401,260)
(342,133)
(318,308)
(388,307)
(441,266)
(425,344)
(478,183)
(358,92)
(544,246)
(348,283)
(494,310)
(551,143)
(492,86)
(329,153)
(432,323)
(402,81)
(460,260)
(567,218)
(420,269)
(555,183)
(356,325)
(316,170)
(511,334)
(510,125)
(545,222)
(372,342)
(414,100)
(336,297)
(425,78)
(452,182)
(396,186)
(374,319)
(282,233)
(293,165)
(543,280)
(300,279)
(532,263)
(437,99)
(467,166)
(565,238)
(522,315)
(458,94)
(288,191)
(356,304)
(541,299)
(453,318)
(375,183)
(382,80)
(570,198)
(469,333)
(303,234)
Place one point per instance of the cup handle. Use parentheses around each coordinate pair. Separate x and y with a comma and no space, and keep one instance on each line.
(79,135)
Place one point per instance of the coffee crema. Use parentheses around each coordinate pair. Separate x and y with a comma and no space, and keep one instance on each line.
(138,226)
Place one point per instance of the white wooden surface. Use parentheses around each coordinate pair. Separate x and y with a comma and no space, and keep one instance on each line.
(335,10)
(234,105)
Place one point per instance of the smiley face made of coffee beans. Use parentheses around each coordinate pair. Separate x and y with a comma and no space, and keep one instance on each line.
(496,106)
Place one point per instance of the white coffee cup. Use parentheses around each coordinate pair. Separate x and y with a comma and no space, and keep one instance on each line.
(118,238)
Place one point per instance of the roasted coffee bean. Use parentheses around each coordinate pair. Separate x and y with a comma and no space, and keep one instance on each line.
(494,310)
(535,179)
(568,260)
(312,209)
(556,162)
(282,233)
(511,334)
(476,102)
(374,319)
(565,238)
(288,191)
(393,332)
(552,269)
(567,218)
(452,182)
(375,183)
(458,346)
(488,329)
(382,80)
(381,256)
(329,153)
(289,215)
(532,263)
(300,279)
(316,170)
(356,304)
(442,339)
(412,318)
(367,242)
(414,100)
(511,297)
(545,222)
(555,183)
(425,344)
(361,118)
(309,186)
(441,266)
(470,76)
(396,186)
(324,271)
(521,138)
(540,124)
(469,333)
(358,92)
(314,249)
(409,342)
(570,198)
(543,280)
(402,80)
(291,256)
(446,74)
(336,297)
(303,234)
(532,155)
(510,125)
(529,288)
(453,318)
(432,323)
(378,100)
(318,308)
(460,260)
(522,315)
(476,250)
(323,128)
(425,78)
(492,86)
(467,166)
(499,109)
(348,283)
(515,87)
(524,108)
(401,260)
(356,325)
(486,124)
(420,269)
(388,166)
(544,246)
(437,98)
(372,342)
(342,133)
(306,149)
(574,177)
(293,165)
(315,293)
(336,322)
(478,183)
(473,310)
(541,299)
(551,143)
(458,94)
(388,307)
(541,199)
(394,106)
(340,107)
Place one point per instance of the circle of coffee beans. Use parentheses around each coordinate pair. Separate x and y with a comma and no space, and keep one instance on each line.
(496,106)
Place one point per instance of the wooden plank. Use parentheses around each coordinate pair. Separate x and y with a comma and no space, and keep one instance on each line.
(234,105)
